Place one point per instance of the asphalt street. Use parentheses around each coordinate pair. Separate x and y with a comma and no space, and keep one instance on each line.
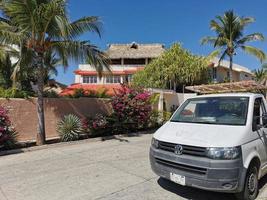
(93,170)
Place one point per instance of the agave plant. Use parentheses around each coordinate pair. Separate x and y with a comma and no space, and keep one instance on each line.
(69,128)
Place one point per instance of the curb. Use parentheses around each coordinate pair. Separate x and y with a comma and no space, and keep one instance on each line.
(61,144)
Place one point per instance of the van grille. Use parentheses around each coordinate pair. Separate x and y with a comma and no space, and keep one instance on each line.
(182,167)
(189,150)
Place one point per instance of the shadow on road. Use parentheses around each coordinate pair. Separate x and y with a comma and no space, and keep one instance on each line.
(122,137)
(193,193)
(9,152)
(197,194)
(262,182)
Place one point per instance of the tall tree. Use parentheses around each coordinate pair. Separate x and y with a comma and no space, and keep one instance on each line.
(229,30)
(6,69)
(174,68)
(41,26)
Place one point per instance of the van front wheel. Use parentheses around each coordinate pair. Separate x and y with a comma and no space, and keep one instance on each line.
(251,188)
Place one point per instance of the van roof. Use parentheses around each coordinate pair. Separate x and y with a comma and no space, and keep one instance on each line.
(245,94)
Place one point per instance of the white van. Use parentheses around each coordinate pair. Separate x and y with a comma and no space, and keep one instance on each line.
(214,142)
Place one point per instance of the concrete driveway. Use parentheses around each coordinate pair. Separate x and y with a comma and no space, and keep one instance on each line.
(93,170)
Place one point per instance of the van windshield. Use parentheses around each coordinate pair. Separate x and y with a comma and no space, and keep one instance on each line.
(213,110)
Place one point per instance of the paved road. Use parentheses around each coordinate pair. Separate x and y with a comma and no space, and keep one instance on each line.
(98,170)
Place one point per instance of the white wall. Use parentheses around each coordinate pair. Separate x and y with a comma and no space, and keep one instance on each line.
(88,67)
(78,78)
(176,99)
(184,96)
(245,76)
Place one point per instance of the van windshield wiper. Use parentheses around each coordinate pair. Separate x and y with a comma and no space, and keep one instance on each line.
(175,120)
(194,122)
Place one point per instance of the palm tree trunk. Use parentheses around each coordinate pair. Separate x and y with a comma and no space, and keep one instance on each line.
(231,69)
(40,140)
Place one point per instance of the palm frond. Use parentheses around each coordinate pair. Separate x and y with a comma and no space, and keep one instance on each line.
(85,24)
(81,51)
(214,54)
(21,12)
(264,66)
(208,40)
(251,37)
(260,74)
(254,51)
(8,35)
(216,26)
(246,20)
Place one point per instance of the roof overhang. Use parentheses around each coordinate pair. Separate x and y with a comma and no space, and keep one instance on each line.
(112,72)
(242,86)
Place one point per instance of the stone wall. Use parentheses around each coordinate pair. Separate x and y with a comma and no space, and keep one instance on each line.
(23,113)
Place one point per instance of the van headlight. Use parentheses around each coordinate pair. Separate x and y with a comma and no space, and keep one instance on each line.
(155,143)
(227,153)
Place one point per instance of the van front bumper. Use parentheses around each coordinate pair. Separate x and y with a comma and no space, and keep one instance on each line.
(200,172)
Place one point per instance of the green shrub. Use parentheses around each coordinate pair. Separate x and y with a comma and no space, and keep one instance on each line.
(158,118)
(78,93)
(51,94)
(69,128)
(166,116)
(14,93)
(100,93)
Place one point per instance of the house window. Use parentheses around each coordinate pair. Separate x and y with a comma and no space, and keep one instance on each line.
(130,78)
(113,79)
(89,79)
(140,61)
(115,62)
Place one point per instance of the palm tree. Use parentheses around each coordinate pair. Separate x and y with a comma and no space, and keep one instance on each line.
(6,68)
(229,30)
(38,27)
(261,74)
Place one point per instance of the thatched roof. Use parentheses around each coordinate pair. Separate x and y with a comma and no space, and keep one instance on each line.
(242,86)
(135,50)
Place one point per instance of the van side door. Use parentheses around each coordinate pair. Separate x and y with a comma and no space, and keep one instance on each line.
(258,128)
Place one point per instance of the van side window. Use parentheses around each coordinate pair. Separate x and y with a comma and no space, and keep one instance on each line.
(259,111)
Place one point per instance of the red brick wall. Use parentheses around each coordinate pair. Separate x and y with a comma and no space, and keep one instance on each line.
(23,113)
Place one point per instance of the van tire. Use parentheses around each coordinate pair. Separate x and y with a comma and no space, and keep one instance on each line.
(251,187)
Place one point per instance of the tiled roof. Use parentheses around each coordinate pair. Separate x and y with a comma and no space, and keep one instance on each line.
(91,87)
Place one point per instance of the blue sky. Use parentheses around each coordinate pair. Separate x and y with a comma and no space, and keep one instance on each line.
(166,22)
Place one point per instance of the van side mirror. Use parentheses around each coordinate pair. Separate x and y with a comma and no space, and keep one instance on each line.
(264,120)
(255,125)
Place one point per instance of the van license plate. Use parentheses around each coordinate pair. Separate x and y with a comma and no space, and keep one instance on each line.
(177,178)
